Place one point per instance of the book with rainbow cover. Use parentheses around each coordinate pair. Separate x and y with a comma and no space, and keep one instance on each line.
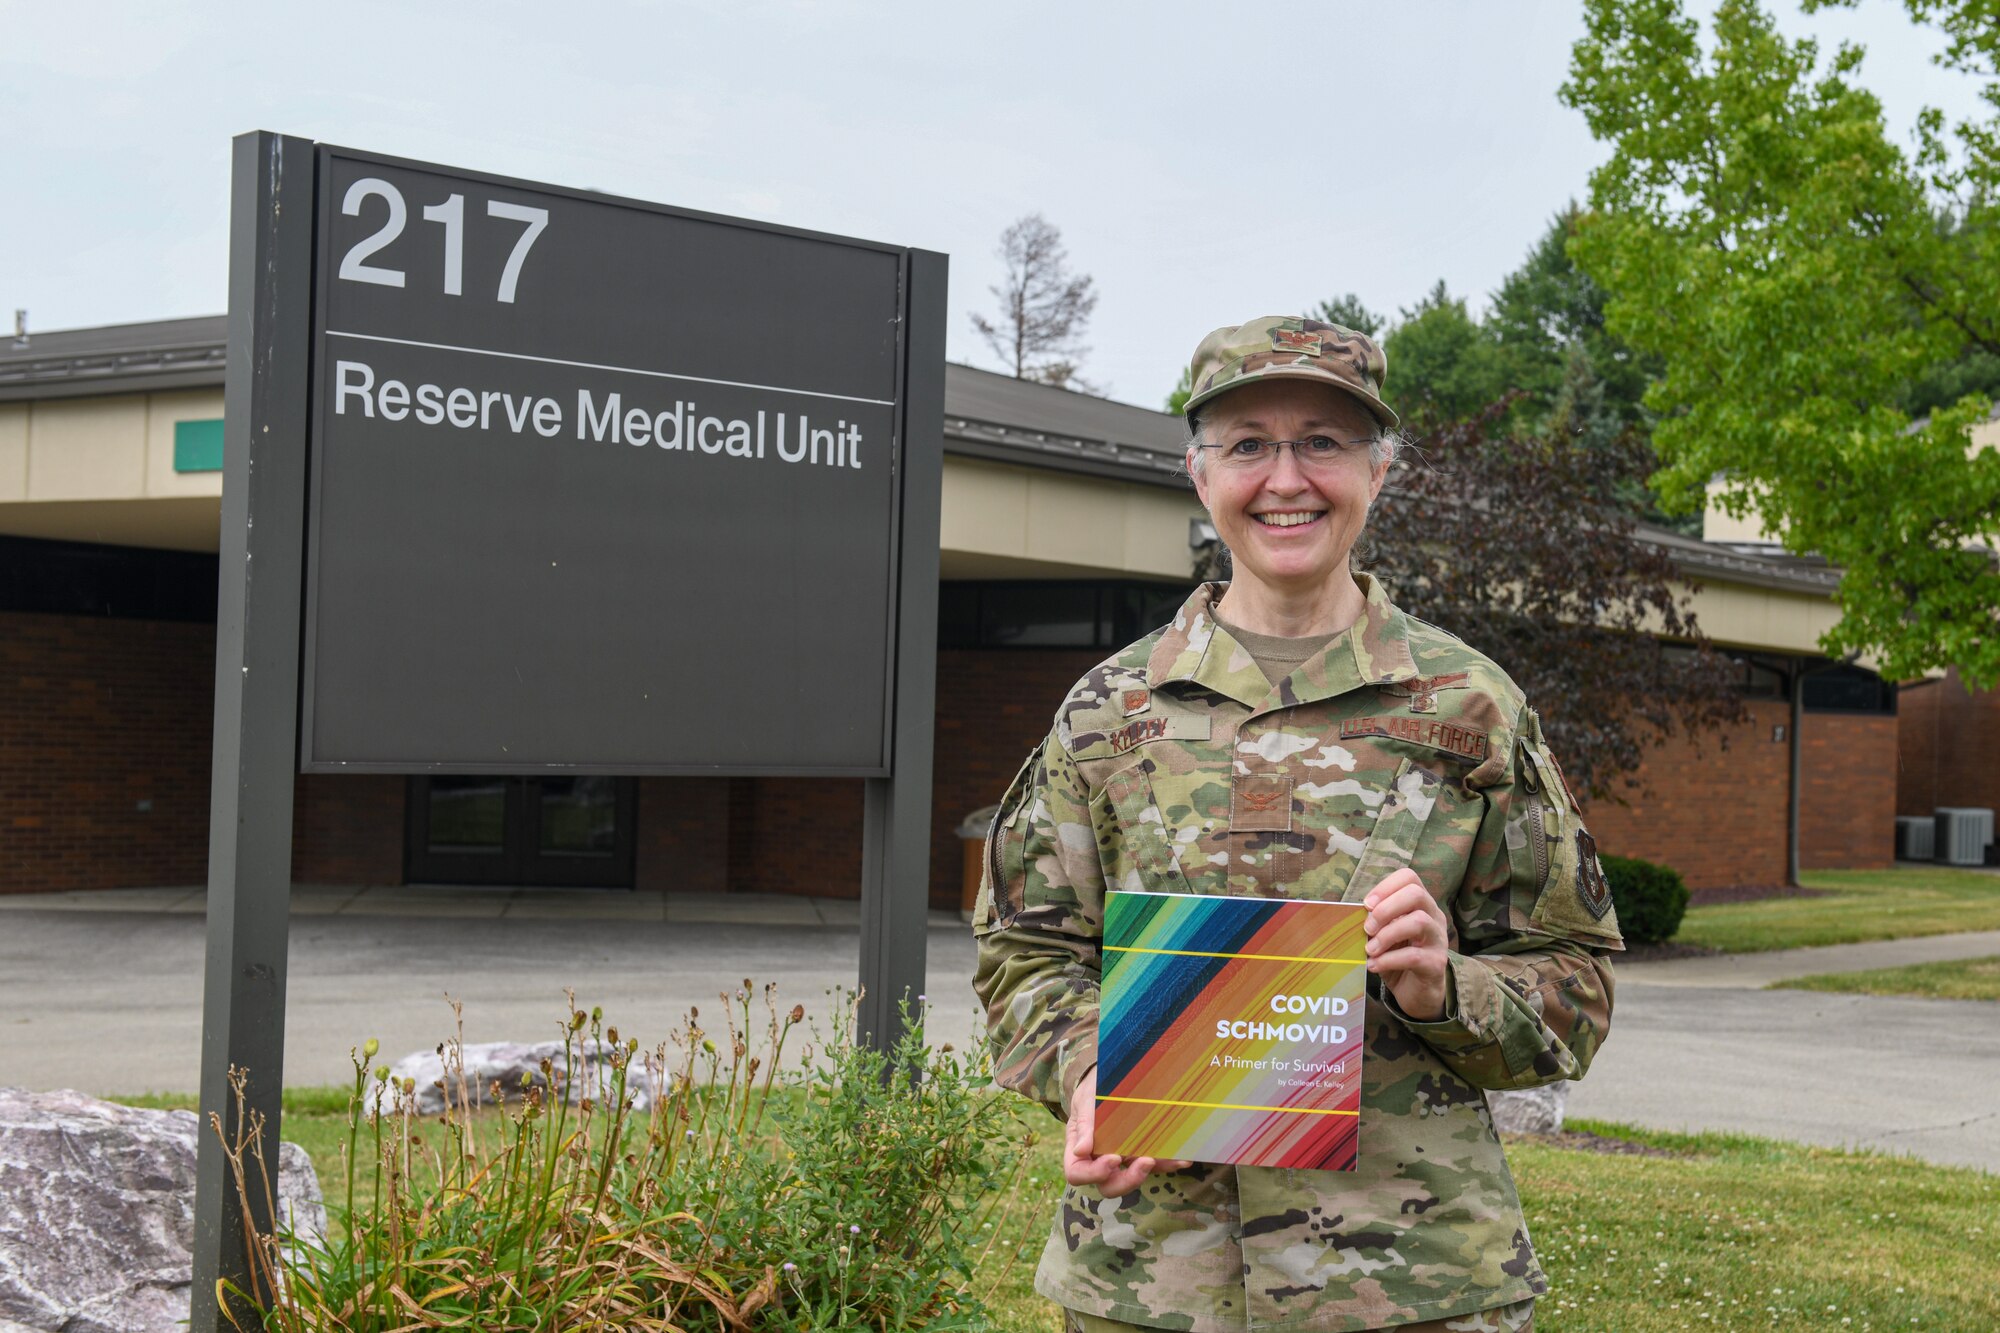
(1229,1030)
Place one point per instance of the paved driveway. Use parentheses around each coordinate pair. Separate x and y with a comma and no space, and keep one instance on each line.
(109,1001)
(1900,1075)
(1697,1044)
(104,994)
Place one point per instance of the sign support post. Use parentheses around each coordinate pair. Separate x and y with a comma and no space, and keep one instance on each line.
(256,683)
(659,429)
(896,813)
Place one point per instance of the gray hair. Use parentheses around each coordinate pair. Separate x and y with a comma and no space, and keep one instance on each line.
(1383,447)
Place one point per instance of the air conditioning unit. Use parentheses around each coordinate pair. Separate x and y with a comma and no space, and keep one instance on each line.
(1916,838)
(1962,835)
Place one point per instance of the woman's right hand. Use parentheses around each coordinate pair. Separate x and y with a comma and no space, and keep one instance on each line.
(1111,1175)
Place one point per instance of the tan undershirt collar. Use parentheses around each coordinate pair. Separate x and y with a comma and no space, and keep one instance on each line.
(1276,656)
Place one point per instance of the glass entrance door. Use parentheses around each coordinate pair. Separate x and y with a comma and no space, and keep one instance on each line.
(574,831)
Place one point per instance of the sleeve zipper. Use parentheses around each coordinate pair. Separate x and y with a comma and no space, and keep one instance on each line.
(1540,844)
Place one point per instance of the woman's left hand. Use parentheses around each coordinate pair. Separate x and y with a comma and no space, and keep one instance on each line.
(1409,944)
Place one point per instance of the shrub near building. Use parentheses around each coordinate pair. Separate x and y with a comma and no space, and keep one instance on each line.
(1650,899)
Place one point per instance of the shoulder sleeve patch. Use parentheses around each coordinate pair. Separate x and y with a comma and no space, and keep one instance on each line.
(1591,886)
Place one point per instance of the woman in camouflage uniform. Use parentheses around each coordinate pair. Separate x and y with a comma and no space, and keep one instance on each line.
(1293,734)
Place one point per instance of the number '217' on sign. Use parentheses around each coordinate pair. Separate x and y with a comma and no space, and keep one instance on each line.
(450,215)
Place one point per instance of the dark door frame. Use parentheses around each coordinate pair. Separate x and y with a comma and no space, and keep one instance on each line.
(520,861)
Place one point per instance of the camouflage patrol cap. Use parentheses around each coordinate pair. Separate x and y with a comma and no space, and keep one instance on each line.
(1288,347)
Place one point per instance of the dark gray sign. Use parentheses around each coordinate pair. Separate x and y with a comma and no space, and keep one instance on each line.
(596,484)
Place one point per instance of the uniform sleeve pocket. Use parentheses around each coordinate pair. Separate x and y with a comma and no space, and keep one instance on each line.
(1003,879)
(1572,898)
(1575,901)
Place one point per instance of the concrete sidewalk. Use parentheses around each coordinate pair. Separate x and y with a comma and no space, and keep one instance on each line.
(462,902)
(1754,971)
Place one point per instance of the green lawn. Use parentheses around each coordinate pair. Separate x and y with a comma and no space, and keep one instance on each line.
(1966,979)
(1857,905)
(1729,1232)
(1750,1233)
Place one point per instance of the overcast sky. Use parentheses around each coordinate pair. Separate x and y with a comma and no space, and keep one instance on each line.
(1206,162)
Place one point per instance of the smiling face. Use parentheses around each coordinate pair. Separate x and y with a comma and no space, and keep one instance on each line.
(1289,528)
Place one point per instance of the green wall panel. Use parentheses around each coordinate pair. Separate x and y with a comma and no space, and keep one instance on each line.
(198,446)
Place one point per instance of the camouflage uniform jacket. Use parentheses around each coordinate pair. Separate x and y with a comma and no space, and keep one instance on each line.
(1176,766)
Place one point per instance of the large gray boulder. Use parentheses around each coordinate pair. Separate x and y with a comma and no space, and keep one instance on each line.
(97,1213)
(1530,1110)
(517,1066)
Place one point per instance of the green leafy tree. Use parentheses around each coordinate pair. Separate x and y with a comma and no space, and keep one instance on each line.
(1976,372)
(1574,376)
(1543,337)
(1796,273)
(1442,365)
(1544,332)
(1348,311)
(1973,30)
(1547,324)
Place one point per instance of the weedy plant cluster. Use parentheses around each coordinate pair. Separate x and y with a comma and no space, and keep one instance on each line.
(702,1185)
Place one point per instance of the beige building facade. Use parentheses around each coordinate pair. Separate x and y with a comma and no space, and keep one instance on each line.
(1067,526)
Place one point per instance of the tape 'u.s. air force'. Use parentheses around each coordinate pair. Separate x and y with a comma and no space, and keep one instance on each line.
(1431,732)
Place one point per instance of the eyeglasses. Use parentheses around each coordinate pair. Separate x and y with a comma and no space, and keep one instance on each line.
(1251,453)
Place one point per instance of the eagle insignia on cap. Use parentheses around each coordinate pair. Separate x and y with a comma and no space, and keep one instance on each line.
(1296,340)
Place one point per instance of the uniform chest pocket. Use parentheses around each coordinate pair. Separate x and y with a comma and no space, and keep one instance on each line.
(1147,813)
(1249,835)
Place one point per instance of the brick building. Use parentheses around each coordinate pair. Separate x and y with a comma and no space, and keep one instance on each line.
(1066,532)
(1945,736)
